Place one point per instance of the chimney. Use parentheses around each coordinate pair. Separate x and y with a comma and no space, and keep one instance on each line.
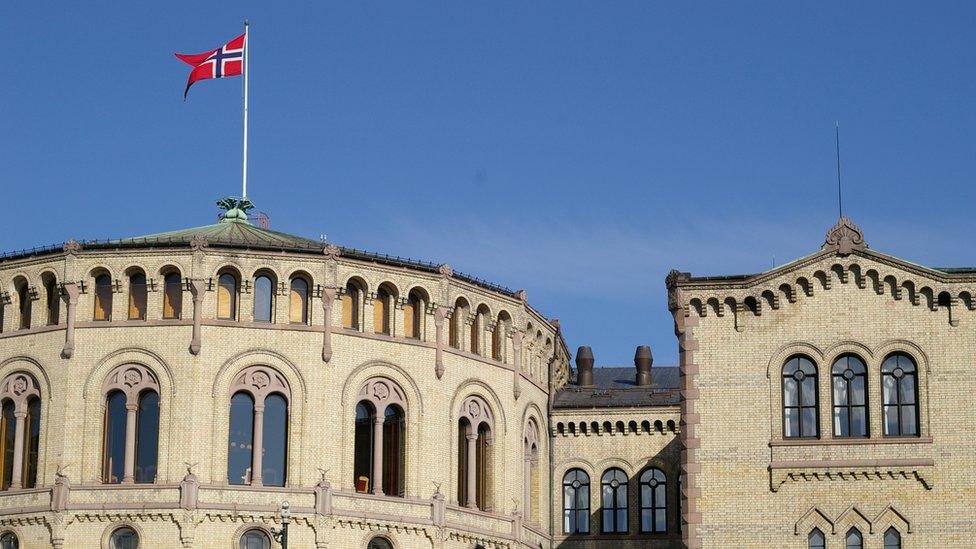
(643,361)
(584,366)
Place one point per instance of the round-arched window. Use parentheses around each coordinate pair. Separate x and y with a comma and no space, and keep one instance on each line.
(9,541)
(379,543)
(255,539)
(124,538)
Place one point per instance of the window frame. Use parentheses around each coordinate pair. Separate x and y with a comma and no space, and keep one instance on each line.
(801,405)
(619,501)
(653,508)
(839,376)
(572,509)
(898,380)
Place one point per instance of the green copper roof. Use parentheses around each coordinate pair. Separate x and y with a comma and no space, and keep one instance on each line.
(229,232)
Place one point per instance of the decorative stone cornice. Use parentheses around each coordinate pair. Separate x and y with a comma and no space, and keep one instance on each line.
(332,251)
(846,237)
(198,243)
(445,270)
(72,247)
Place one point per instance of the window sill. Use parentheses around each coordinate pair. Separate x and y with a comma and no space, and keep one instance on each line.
(850,441)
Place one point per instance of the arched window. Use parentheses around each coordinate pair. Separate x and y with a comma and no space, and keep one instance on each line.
(380,442)
(137,295)
(352,300)
(653,501)
(227,296)
(255,539)
(892,539)
(530,475)
(103,297)
(257,448)
(899,395)
(502,325)
(379,543)
(263,298)
(414,313)
(9,541)
(130,431)
(172,295)
(298,301)
(613,490)
(381,309)
(800,399)
(8,428)
(576,502)
(124,538)
(458,318)
(474,453)
(478,328)
(853,539)
(850,382)
(24,302)
(816,540)
(52,296)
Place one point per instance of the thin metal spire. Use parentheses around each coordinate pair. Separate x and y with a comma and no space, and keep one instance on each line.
(840,200)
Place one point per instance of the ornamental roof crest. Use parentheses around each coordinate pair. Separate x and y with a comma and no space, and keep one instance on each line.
(845,236)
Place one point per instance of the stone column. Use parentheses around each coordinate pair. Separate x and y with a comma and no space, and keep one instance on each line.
(71,289)
(197,289)
(378,454)
(517,364)
(472,439)
(328,298)
(20,417)
(258,446)
(129,466)
(439,315)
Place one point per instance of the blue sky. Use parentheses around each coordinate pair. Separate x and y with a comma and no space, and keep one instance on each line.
(577,150)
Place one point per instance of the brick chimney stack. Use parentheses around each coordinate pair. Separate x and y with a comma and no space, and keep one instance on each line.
(584,366)
(643,361)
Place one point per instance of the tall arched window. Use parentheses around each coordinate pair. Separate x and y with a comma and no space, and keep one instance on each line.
(382,304)
(458,318)
(8,540)
(298,301)
(414,313)
(853,539)
(52,297)
(849,375)
(816,540)
(23,302)
(130,432)
(255,539)
(800,401)
(379,543)
(137,295)
(892,539)
(352,301)
(8,429)
(576,502)
(103,297)
(257,449)
(475,460)
(263,298)
(124,538)
(613,490)
(530,471)
(498,336)
(899,393)
(653,501)
(227,296)
(380,442)
(172,295)
(478,326)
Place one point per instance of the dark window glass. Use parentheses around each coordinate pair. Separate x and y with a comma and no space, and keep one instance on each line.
(241,439)
(255,539)
(379,543)
(393,451)
(53,296)
(363,461)
(613,489)
(576,502)
(800,399)
(275,443)
(816,540)
(8,426)
(172,296)
(853,539)
(298,301)
(892,539)
(147,437)
(849,380)
(24,300)
(103,297)
(482,467)
(263,291)
(32,443)
(113,452)
(9,541)
(653,501)
(124,538)
(899,392)
(227,297)
(137,297)
(462,472)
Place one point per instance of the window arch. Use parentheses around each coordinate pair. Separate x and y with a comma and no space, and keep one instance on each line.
(172,295)
(379,543)
(474,453)
(899,393)
(352,304)
(103,297)
(502,326)
(853,539)
(382,305)
(478,326)
(228,284)
(24,302)
(892,539)
(20,423)
(124,538)
(415,314)
(613,495)
(576,502)
(849,380)
(264,291)
(138,295)
(9,540)
(653,501)
(816,539)
(52,297)
(257,450)
(255,539)
(380,442)
(530,475)
(130,433)
(800,400)
(298,300)
(458,318)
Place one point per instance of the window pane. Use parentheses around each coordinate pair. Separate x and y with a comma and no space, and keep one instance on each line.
(137,297)
(363,449)
(172,296)
(790,392)
(891,420)
(841,418)
(857,390)
(889,391)
(816,540)
(227,297)
(809,388)
(124,538)
(147,437)
(660,522)
(791,422)
(854,540)
(908,424)
(113,461)
(809,422)
(262,299)
(892,539)
(275,443)
(840,391)
(907,391)
(255,539)
(298,301)
(393,451)
(645,520)
(859,422)
(9,541)
(622,520)
(241,439)
(32,443)
(7,432)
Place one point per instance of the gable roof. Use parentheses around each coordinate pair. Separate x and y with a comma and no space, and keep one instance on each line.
(616,387)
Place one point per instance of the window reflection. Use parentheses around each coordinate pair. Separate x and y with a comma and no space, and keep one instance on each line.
(274,444)
(241,439)
(263,292)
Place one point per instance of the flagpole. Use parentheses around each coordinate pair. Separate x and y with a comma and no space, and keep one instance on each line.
(244,170)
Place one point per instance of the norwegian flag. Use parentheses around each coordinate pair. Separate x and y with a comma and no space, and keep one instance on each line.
(227,60)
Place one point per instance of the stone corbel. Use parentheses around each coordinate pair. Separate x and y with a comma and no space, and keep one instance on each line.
(328,298)
(197,288)
(323,498)
(437,509)
(439,315)
(59,495)
(517,352)
(189,491)
(72,291)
